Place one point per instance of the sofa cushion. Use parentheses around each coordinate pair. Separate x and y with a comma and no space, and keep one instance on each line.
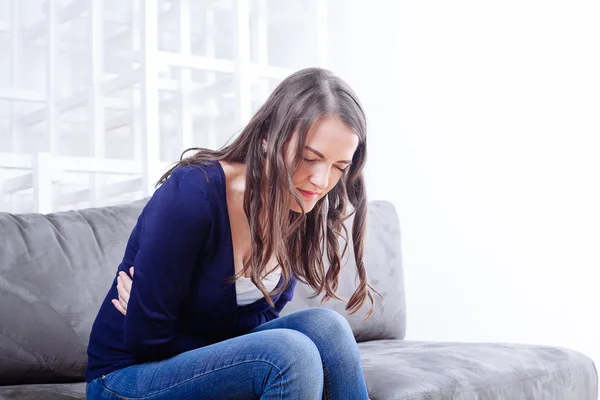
(384,269)
(49,391)
(401,370)
(54,272)
(405,370)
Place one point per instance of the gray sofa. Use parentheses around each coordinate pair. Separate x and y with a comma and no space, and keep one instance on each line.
(56,268)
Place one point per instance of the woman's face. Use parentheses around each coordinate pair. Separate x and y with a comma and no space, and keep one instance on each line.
(330,145)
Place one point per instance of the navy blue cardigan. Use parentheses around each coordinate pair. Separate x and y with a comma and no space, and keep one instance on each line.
(182,252)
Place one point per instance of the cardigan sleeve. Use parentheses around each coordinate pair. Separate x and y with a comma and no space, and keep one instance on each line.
(175,225)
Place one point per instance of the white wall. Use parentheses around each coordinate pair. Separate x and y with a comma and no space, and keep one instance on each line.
(485,134)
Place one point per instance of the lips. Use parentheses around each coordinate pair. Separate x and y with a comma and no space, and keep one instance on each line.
(308,194)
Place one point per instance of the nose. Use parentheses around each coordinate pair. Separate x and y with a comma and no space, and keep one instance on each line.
(320,177)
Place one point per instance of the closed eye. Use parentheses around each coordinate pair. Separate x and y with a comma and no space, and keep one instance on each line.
(308,160)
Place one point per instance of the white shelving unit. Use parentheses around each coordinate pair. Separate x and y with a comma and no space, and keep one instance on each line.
(98,97)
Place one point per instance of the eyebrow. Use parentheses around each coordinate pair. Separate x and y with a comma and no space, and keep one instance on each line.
(318,153)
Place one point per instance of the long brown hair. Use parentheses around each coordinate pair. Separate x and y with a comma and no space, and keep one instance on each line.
(298,240)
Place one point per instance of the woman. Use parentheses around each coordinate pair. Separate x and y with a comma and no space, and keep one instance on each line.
(217,251)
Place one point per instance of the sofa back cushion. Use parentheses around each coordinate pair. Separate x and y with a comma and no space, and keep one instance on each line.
(54,273)
(56,269)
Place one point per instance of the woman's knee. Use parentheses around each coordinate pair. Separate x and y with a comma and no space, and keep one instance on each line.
(294,350)
(327,321)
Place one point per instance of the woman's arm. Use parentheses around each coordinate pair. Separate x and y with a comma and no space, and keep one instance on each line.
(245,322)
(174,228)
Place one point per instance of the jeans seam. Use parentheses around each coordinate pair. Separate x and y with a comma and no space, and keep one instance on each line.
(198,376)
(325,382)
(110,391)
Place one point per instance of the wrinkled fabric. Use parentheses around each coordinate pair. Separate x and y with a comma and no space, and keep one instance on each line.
(406,370)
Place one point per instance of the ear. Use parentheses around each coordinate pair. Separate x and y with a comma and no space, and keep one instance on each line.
(264,144)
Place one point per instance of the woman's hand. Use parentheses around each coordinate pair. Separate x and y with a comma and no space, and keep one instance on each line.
(124,283)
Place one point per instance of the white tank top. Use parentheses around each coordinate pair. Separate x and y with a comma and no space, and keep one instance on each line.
(248,293)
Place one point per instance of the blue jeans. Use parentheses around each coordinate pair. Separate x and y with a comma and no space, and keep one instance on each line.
(309,354)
